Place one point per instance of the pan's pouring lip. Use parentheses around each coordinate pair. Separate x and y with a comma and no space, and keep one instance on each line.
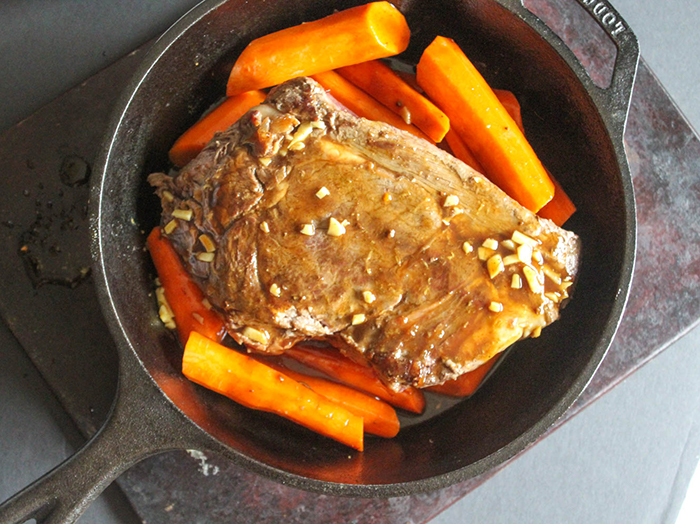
(100,235)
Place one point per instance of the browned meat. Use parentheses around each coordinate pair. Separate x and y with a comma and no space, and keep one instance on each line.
(390,262)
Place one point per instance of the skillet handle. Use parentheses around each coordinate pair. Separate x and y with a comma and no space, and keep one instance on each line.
(138,426)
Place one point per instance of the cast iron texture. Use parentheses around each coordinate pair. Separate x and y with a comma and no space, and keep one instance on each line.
(418,461)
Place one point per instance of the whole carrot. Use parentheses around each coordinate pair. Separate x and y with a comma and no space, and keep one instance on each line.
(360,103)
(183,294)
(456,87)
(382,83)
(196,137)
(362,33)
(335,365)
(257,386)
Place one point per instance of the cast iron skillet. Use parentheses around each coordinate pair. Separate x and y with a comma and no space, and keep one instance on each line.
(576,127)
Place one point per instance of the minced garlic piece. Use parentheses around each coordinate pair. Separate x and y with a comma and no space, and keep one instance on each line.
(183,214)
(265,227)
(205,257)
(167,196)
(368,297)
(170,226)
(358,318)
(322,193)
(516,282)
(554,297)
(256,335)
(510,259)
(451,201)
(265,161)
(509,244)
(495,265)
(308,230)
(164,311)
(275,290)
(536,332)
(566,285)
(207,242)
(484,253)
(296,146)
(525,253)
(538,257)
(467,247)
(553,275)
(405,114)
(206,303)
(303,131)
(522,238)
(335,228)
(496,307)
(490,243)
(534,279)
(199,318)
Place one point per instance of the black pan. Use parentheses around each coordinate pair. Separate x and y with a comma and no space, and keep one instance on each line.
(576,127)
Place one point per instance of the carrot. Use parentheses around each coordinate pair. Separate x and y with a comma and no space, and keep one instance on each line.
(362,33)
(461,151)
(378,80)
(196,137)
(453,83)
(560,208)
(465,384)
(379,417)
(183,294)
(257,386)
(361,103)
(510,104)
(335,365)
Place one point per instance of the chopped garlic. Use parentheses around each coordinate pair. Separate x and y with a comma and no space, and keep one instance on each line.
(516,282)
(484,253)
(534,279)
(522,238)
(358,318)
(308,230)
(275,290)
(490,243)
(368,296)
(170,226)
(183,214)
(509,244)
(303,131)
(538,257)
(451,201)
(467,247)
(265,161)
(536,332)
(322,193)
(206,303)
(335,228)
(554,297)
(525,253)
(496,307)
(207,242)
(566,285)
(205,257)
(405,114)
(510,259)
(265,227)
(318,124)
(296,146)
(199,318)
(256,335)
(167,196)
(495,265)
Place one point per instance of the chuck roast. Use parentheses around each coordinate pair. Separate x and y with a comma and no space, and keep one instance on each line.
(408,259)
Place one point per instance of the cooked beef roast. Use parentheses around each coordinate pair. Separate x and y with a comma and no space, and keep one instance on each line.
(326,226)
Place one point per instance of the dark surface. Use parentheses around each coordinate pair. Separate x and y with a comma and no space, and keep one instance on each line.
(661,164)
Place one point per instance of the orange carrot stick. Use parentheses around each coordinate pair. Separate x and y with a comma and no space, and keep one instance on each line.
(183,294)
(379,417)
(196,137)
(510,104)
(456,87)
(335,365)
(361,103)
(257,386)
(362,33)
(461,151)
(379,81)
(560,208)
(465,384)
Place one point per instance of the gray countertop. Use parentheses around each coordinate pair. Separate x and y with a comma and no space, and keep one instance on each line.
(627,458)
